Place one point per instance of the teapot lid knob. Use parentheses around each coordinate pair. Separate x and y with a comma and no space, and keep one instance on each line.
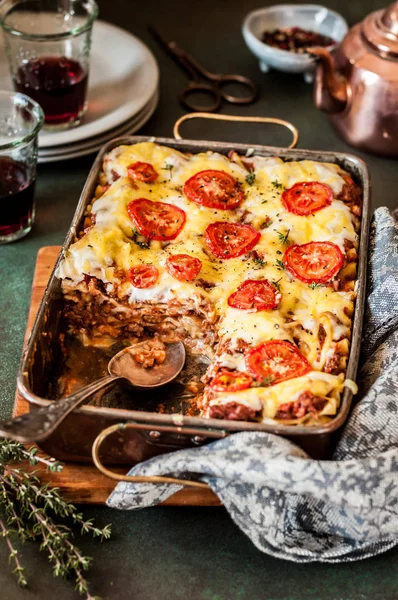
(380,30)
(389,19)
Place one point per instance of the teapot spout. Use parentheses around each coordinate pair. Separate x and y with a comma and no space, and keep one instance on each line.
(330,88)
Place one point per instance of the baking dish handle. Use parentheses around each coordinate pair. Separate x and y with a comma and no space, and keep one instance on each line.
(99,440)
(204,115)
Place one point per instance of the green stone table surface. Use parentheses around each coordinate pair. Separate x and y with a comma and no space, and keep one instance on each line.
(181,553)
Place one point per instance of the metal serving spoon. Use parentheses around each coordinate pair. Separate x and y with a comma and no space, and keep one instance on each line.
(37,425)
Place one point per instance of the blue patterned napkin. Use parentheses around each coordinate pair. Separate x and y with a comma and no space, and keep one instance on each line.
(289,505)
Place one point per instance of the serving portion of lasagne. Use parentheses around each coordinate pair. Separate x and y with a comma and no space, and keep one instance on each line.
(250,260)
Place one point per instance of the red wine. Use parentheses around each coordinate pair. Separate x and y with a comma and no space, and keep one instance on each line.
(16,196)
(57,83)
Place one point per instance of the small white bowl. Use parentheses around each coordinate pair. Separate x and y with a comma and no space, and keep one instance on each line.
(308,16)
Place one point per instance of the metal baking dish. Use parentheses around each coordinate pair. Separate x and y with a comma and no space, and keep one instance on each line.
(150,433)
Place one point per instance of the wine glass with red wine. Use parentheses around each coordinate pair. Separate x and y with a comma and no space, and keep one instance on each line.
(21,119)
(48,47)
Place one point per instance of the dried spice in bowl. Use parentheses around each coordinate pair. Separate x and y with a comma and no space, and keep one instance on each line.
(295,39)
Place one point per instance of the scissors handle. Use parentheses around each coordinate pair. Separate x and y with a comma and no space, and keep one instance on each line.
(244,83)
(223,80)
(187,97)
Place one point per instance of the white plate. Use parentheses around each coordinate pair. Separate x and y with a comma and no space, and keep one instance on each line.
(99,139)
(83,152)
(123,78)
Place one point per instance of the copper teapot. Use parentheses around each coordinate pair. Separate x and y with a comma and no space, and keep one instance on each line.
(358,86)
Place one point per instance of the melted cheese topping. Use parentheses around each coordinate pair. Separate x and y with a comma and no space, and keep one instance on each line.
(109,249)
(267,400)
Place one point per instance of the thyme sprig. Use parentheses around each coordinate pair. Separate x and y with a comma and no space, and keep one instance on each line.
(283,237)
(277,284)
(31,511)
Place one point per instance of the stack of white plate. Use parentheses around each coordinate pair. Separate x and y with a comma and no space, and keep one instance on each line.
(122,95)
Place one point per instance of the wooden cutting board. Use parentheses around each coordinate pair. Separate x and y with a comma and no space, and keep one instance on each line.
(84,483)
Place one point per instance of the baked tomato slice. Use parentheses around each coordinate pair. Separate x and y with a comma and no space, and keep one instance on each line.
(231,381)
(275,361)
(307,197)
(156,220)
(229,240)
(214,189)
(143,276)
(258,294)
(183,267)
(315,262)
(142,171)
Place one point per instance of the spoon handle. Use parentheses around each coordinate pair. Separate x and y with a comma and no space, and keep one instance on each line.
(37,424)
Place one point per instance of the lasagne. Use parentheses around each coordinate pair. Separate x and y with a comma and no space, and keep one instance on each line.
(250,260)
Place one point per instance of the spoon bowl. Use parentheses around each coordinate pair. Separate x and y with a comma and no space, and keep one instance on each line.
(123,364)
(38,424)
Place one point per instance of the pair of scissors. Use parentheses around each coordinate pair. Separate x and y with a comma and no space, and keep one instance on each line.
(215,88)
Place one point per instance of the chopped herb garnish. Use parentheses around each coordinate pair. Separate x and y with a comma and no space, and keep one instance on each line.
(260,261)
(168,167)
(140,240)
(283,237)
(314,285)
(144,245)
(277,185)
(251,178)
(266,223)
(277,285)
(279,264)
(267,381)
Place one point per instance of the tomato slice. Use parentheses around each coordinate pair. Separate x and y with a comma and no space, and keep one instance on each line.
(142,171)
(307,197)
(315,262)
(259,294)
(183,267)
(156,220)
(214,189)
(229,240)
(231,381)
(143,276)
(275,361)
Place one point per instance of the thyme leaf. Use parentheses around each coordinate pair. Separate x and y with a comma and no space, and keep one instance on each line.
(280,264)
(314,285)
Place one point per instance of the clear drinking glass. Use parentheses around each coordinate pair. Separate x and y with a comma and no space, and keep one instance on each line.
(21,119)
(48,48)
